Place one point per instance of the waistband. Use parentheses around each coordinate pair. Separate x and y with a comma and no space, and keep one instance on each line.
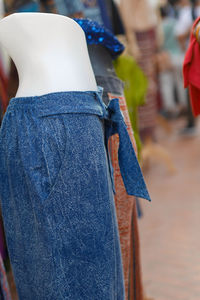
(62,102)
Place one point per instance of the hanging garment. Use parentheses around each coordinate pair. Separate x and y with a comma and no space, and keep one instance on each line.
(191,71)
(125,204)
(56,195)
(147,113)
(101,59)
(97,34)
(135,86)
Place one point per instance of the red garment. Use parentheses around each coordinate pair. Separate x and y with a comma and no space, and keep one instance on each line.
(191,71)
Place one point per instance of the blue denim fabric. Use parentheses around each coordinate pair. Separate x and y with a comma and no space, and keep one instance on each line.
(128,163)
(57,199)
(56,195)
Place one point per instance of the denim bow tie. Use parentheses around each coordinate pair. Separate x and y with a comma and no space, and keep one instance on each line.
(128,163)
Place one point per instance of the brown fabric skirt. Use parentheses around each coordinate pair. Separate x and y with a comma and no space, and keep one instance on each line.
(147,113)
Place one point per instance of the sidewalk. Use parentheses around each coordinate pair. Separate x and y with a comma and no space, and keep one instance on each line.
(170,228)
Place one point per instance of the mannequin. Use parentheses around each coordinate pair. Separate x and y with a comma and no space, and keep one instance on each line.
(56,62)
(55,183)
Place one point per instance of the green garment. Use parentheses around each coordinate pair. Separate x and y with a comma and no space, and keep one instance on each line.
(170,44)
(134,89)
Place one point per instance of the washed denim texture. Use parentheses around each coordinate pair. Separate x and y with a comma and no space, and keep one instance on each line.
(57,199)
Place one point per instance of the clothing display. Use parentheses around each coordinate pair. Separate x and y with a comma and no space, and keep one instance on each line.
(69,180)
(91,97)
(104,71)
(191,71)
(56,195)
(113,88)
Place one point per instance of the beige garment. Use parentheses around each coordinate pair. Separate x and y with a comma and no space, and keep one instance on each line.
(137,15)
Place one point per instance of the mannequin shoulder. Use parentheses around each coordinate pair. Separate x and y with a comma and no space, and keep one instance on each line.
(38,23)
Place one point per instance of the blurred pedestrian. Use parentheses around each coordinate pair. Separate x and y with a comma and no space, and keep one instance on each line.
(140,23)
(170,61)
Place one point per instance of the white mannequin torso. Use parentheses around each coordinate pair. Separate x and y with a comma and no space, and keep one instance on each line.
(50,53)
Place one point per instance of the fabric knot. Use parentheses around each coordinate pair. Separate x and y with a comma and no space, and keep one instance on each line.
(114,112)
(128,163)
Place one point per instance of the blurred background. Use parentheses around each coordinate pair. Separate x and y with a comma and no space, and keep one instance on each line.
(155,34)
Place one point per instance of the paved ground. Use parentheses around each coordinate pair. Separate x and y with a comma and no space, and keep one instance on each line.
(170,228)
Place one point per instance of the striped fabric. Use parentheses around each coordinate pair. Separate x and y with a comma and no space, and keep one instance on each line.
(147,113)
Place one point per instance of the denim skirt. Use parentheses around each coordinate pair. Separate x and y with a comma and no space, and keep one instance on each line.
(57,199)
